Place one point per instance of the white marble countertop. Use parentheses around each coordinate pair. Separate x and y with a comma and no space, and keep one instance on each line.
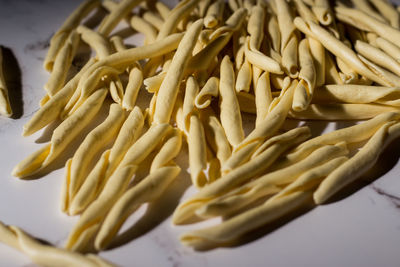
(362,228)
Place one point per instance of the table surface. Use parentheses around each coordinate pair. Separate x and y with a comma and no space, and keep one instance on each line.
(361,228)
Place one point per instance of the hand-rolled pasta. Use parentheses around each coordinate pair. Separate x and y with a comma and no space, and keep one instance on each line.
(361,94)
(53,108)
(337,48)
(230,115)
(235,227)
(352,134)
(209,90)
(58,39)
(261,60)
(323,12)
(289,40)
(141,25)
(123,8)
(95,40)
(62,136)
(358,164)
(94,183)
(268,184)
(132,88)
(215,135)
(311,179)
(191,90)
(95,141)
(169,88)
(263,97)
(147,190)
(364,5)
(46,255)
(197,151)
(91,219)
(120,61)
(274,119)
(389,47)
(342,111)
(377,56)
(388,12)
(240,175)
(168,151)
(374,25)
(244,77)
(61,64)
(5,107)
(214,14)
(305,88)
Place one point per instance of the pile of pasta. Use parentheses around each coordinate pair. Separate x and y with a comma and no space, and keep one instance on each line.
(205,64)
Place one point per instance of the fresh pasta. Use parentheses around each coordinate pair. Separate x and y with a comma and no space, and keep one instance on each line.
(225,81)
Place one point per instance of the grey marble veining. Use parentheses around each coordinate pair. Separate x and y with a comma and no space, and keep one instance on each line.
(361,229)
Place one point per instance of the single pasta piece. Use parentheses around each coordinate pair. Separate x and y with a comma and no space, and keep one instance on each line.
(342,111)
(169,88)
(358,94)
(240,175)
(46,255)
(263,97)
(108,162)
(139,24)
(191,90)
(5,107)
(63,135)
(289,42)
(358,164)
(62,63)
(147,190)
(123,8)
(323,12)
(305,88)
(209,90)
(169,150)
(197,152)
(77,167)
(96,41)
(230,115)
(214,14)
(153,83)
(153,18)
(215,135)
(132,88)
(244,77)
(58,39)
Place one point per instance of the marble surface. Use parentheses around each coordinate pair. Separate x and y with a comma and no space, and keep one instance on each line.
(360,228)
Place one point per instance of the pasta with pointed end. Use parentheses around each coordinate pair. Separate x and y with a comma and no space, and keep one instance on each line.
(62,136)
(94,142)
(358,164)
(46,255)
(241,174)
